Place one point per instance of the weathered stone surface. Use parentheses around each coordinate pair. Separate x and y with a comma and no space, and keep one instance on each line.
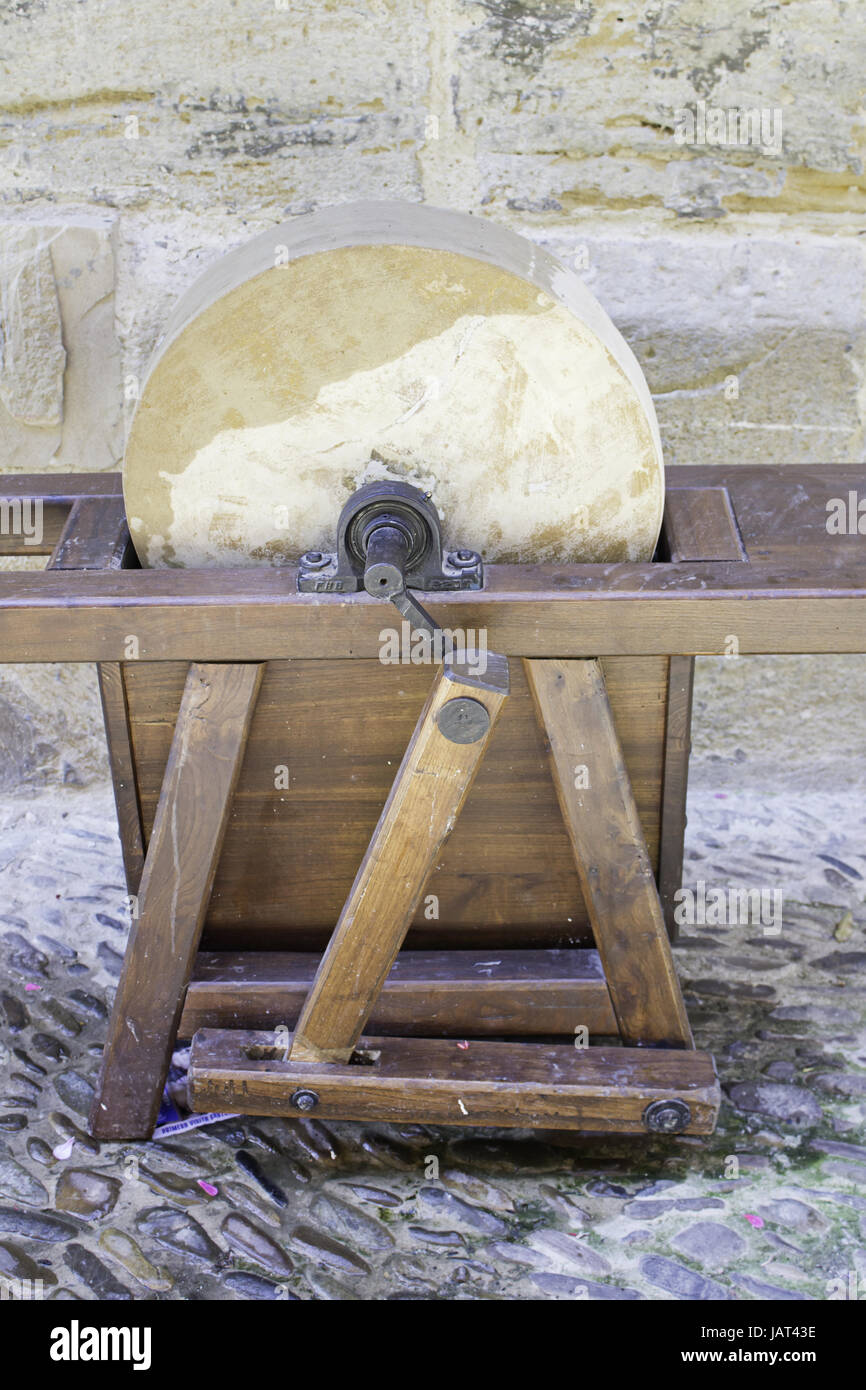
(434,1200)
(60,380)
(253,1244)
(354,1225)
(680,1281)
(254,1286)
(130,1256)
(36,1226)
(562,1286)
(788,1211)
(570,1253)
(309,105)
(75,1091)
(710,1244)
(84,1193)
(33,357)
(15,1263)
(793,1105)
(178,1231)
(17,1185)
(92,1272)
(322,1249)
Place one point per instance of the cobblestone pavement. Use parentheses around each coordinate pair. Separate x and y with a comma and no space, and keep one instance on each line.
(772,1206)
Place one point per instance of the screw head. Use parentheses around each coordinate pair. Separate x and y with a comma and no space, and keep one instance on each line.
(304,1100)
(463,720)
(667,1116)
(314,559)
(463,559)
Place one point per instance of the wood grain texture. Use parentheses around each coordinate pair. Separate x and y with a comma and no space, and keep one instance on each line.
(427,993)
(614,867)
(506,875)
(678,743)
(95,536)
(422,806)
(115,712)
(598,1090)
(203,766)
(57,493)
(699,524)
(808,603)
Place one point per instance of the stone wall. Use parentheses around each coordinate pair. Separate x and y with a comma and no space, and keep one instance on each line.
(701,165)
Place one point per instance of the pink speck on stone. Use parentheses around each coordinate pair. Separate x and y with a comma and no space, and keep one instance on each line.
(30,988)
(755,1221)
(208,1187)
(720,796)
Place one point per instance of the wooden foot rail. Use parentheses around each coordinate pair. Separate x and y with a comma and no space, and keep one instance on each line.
(595,1089)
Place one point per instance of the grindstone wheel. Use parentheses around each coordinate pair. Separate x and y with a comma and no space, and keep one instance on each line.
(392,342)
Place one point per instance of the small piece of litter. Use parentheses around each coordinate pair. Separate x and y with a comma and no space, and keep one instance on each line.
(30,988)
(207,1187)
(463,1110)
(844,927)
(756,1221)
(64,1150)
(464,1046)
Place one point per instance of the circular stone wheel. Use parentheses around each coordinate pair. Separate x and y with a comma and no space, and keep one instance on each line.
(389,340)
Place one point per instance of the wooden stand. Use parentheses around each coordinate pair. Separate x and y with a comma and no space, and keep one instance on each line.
(220,688)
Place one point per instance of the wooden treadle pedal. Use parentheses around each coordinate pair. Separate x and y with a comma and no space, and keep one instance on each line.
(622,1090)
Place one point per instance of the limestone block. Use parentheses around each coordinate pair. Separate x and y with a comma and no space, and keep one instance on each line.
(50,727)
(589,97)
(753,347)
(245,106)
(60,376)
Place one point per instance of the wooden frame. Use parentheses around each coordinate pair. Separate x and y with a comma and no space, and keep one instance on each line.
(745,558)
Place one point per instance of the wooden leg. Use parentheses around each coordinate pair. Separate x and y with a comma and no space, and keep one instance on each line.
(115,711)
(191,818)
(678,726)
(421,809)
(615,871)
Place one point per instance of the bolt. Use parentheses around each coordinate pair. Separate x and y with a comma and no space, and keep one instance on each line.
(463,720)
(463,559)
(667,1116)
(304,1100)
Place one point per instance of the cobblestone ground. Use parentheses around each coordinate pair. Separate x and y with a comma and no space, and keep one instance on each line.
(772,1206)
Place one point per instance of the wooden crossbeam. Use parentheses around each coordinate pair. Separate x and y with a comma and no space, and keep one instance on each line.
(95,536)
(580,611)
(431,994)
(616,875)
(409,1080)
(423,804)
(203,765)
